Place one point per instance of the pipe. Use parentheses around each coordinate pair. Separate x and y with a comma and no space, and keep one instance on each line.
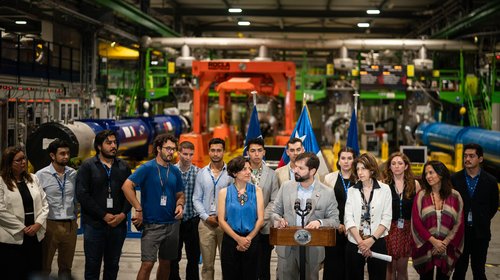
(357,44)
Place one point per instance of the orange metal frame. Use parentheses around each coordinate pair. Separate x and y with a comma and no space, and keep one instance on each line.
(267,78)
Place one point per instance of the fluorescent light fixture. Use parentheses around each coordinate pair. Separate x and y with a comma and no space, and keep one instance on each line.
(154,62)
(243,23)
(234,10)
(363,24)
(373,12)
(21,22)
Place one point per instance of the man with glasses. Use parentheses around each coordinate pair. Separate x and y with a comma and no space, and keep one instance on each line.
(162,197)
(479,192)
(58,181)
(104,207)
(209,181)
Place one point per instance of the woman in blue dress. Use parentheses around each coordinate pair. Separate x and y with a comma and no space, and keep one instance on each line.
(241,215)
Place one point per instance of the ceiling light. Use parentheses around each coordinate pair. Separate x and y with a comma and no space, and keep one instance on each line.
(363,24)
(235,10)
(373,12)
(21,22)
(243,23)
(113,44)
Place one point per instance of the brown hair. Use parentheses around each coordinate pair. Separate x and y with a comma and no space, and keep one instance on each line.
(408,177)
(353,170)
(370,163)
(6,167)
(444,173)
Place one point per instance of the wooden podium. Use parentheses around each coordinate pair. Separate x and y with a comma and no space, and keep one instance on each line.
(324,236)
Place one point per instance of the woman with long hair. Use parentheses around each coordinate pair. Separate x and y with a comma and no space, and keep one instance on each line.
(23,215)
(368,214)
(340,180)
(241,215)
(437,224)
(398,175)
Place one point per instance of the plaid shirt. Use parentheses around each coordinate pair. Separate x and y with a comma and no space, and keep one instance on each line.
(189,178)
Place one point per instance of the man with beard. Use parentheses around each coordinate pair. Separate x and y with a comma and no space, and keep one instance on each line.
(479,192)
(58,181)
(294,148)
(162,196)
(104,207)
(209,181)
(324,213)
(265,178)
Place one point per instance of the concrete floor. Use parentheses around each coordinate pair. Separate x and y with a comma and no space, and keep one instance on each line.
(130,260)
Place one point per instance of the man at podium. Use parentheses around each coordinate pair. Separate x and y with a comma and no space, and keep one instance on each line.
(304,193)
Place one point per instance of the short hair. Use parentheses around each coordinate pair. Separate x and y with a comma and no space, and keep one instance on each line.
(444,173)
(186,145)
(345,150)
(162,139)
(312,160)
(56,144)
(256,141)
(215,141)
(103,135)
(474,146)
(236,165)
(370,163)
(293,141)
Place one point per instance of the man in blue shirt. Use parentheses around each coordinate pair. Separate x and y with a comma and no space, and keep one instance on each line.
(189,225)
(209,181)
(104,207)
(58,181)
(160,209)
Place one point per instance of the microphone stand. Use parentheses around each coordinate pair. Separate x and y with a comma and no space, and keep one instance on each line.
(302,249)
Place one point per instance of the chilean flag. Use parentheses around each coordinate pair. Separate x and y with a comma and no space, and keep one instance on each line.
(352,135)
(253,129)
(303,130)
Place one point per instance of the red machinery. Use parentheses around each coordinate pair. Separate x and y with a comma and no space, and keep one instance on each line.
(267,78)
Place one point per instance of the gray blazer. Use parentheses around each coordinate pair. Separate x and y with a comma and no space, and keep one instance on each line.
(324,208)
(269,186)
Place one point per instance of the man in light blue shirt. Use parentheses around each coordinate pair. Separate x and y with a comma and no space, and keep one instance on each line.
(58,181)
(209,181)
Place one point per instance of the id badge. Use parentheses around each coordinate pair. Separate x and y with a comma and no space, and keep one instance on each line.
(109,202)
(212,207)
(401,223)
(366,230)
(469,217)
(163,200)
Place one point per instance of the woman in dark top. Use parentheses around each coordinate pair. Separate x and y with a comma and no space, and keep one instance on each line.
(23,215)
(341,180)
(400,178)
(241,215)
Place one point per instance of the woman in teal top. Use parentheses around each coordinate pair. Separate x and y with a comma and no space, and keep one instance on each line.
(241,215)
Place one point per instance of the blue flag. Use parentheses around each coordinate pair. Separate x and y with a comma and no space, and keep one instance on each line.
(304,131)
(253,129)
(352,135)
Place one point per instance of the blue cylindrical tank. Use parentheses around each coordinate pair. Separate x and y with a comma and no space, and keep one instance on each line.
(446,136)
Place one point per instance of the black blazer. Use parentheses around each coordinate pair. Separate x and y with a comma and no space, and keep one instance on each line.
(484,204)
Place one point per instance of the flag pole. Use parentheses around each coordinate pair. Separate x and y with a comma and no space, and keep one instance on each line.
(254,93)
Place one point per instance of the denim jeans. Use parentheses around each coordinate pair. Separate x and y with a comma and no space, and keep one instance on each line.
(103,243)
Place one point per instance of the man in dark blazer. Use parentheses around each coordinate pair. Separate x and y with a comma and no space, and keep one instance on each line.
(265,178)
(479,191)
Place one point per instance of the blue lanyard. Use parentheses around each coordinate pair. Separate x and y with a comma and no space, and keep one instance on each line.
(213,179)
(108,172)
(163,188)
(62,185)
(472,183)
(343,183)
(400,202)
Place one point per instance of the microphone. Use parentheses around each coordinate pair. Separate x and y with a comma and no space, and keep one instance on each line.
(308,204)
(296,206)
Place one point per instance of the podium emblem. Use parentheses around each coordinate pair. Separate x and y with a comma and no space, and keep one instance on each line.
(302,236)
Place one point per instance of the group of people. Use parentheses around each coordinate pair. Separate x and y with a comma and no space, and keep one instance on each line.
(440,223)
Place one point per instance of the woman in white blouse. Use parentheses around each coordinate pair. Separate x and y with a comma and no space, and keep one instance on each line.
(23,215)
(368,214)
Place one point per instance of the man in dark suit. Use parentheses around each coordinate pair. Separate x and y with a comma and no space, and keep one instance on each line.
(264,177)
(479,192)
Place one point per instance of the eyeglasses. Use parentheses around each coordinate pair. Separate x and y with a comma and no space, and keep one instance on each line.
(170,149)
(20,160)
